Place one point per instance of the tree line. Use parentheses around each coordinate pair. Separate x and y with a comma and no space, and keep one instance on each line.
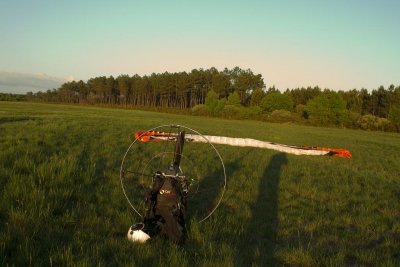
(378,110)
(11,97)
(236,93)
(176,90)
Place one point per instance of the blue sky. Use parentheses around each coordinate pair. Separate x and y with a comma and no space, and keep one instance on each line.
(333,44)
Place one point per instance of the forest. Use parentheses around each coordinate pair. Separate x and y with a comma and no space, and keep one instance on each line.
(11,97)
(237,94)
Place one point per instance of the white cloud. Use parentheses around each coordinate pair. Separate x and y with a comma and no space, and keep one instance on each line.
(21,83)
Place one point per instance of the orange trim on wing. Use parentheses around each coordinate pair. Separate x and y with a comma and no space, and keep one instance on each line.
(144,136)
(335,152)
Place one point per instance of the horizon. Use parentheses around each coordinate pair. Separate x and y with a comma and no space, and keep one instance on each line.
(337,45)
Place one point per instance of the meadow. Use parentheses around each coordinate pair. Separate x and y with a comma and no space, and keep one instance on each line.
(61,201)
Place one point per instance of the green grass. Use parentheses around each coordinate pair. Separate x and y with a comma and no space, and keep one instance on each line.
(61,202)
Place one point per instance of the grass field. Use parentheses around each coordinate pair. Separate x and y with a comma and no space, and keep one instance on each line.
(61,202)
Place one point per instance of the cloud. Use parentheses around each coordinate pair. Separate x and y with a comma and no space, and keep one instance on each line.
(21,83)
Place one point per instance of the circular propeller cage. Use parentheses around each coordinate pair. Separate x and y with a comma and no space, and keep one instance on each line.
(201,168)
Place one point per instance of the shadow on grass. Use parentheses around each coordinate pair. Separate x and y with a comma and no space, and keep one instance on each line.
(210,190)
(257,243)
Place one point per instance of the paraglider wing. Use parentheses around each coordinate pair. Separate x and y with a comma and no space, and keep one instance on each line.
(152,136)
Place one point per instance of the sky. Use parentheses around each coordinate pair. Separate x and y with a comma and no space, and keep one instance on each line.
(337,44)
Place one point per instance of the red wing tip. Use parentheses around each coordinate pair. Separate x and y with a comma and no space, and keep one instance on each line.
(141,136)
(334,152)
(343,154)
(338,152)
(146,136)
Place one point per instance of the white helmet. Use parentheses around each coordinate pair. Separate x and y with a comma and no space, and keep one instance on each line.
(136,233)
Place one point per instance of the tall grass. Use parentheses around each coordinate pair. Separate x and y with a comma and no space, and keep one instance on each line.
(61,202)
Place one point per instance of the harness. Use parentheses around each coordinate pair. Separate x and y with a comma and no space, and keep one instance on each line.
(167,193)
